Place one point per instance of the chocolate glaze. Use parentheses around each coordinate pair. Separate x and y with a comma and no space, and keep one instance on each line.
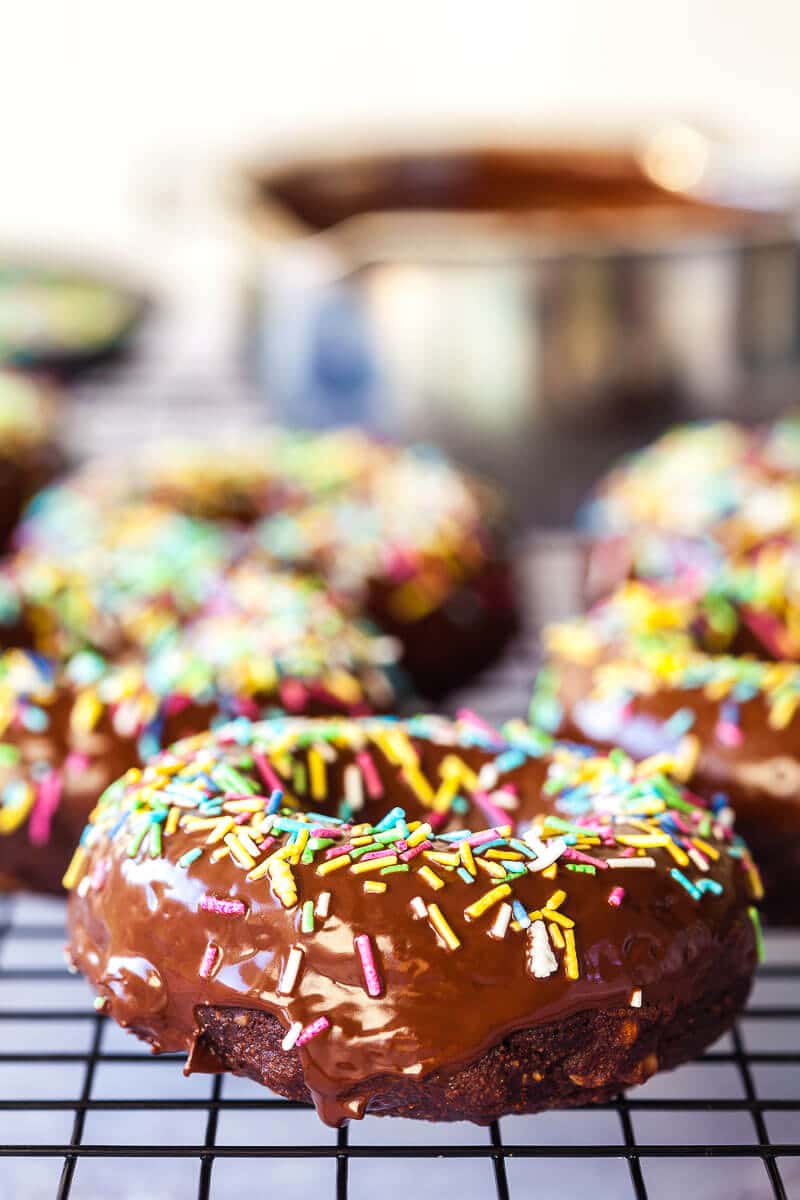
(138,931)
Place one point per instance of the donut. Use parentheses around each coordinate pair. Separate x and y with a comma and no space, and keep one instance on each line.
(68,729)
(29,454)
(653,669)
(58,320)
(698,495)
(421,918)
(407,539)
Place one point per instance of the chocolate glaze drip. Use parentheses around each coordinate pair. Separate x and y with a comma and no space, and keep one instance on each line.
(139,932)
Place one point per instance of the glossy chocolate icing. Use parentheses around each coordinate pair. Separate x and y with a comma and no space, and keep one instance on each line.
(140,932)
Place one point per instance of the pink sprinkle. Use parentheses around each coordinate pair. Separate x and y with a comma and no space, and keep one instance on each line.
(321,831)
(100,875)
(363,945)
(371,777)
(377,854)
(247,707)
(728,733)
(413,851)
(293,694)
(485,835)
(436,820)
(628,852)
(209,960)
(267,844)
(616,896)
(313,1030)
(175,703)
(75,761)
(223,908)
(266,771)
(338,851)
(579,856)
(495,814)
(472,718)
(48,799)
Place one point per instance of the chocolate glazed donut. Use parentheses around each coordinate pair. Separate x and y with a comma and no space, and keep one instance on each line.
(626,676)
(372,915)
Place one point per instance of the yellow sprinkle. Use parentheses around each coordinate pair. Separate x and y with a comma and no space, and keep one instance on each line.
(334,864)
(558,918)
(754,878)
(283,881)
(220,853)
(440,924)
(171,823)
(12,817)
(643,839)
(556,900)
(550,872)
(499,855)
(571,955)
(298,846)
(492,869)
(494,896)
(86,712)
(238,853)
(429,875)
(420,834)
(680,856)
(316,769)
(467,857)
(445,794)
(556,936)
(419,784)
(224,826)
(710,851)
(443,859)
(374,887)
(76,869)
(374,864)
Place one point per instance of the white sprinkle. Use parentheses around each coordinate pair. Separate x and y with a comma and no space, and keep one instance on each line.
(646,861)
(501,921)
(290,971)
(699,860)
(418,907)
(546,852)
(354,787)
(295,1029)
(541,960)
(636,998)
(323,906)
(488,776)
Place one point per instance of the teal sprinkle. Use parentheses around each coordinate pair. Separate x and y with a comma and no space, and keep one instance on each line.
(34,719)
(189,857)
(709,885)
(680,878)
(460,805)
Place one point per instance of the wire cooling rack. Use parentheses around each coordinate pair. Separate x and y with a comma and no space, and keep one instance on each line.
(86,1112)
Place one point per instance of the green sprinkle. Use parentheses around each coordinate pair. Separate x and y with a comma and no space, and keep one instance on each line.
(394,869)
(307,919)
(584,868)
(756,919)
(9,755)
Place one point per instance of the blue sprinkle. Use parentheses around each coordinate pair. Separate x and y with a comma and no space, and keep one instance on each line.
(275,801)
(520,914)
(465,875)
(189,857)
(34,719)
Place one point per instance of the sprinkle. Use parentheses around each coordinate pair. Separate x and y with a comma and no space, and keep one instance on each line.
(290,972)
(373,887)
(431,878)
(418,907)
(76,869)
(209,960)
(334,864)
(486,901)
(520,914)
(222,907)
(571,955)
(370,774)
(307,918)
(311,1031)
(644,861)
(363,944)
(282,880)
(293,1033)
(442,927)
(753,914)
(323,905)
(370,863)
(636,998)
(541,961)
(616,896)
(501,922)
(685,883)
